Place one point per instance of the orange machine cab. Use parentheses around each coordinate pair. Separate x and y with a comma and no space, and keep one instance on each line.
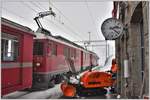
(96,79)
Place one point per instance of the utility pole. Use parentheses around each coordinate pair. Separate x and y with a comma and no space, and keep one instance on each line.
(89,37)
(106,49)
(87,43)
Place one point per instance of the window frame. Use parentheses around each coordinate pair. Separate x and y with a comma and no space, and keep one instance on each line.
(15,42)
(54,49)
(43,48)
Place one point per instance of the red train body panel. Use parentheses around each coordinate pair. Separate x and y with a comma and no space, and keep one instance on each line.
(17,45)
(50,56)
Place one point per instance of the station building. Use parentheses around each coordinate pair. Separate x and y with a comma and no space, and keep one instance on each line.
(132,49)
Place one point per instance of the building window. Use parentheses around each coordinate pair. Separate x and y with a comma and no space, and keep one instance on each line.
(38,48)
(10,47)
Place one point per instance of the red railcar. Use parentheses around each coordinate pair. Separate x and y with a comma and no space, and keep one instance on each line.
(51,57)
(16,56)
(94,59)
(48,62)
(85,59)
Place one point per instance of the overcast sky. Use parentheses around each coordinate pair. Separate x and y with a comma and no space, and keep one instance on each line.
(74,19)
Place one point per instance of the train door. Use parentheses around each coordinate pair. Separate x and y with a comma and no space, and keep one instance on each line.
(38,55)
(10,56)
(91,64)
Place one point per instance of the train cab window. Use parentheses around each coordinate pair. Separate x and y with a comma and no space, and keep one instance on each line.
(38,48)
(9,48)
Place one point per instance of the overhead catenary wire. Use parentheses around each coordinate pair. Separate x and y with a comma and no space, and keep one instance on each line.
(37,12)
(15,14)
(67,27)
(46,19)
(50,3)
(90,14)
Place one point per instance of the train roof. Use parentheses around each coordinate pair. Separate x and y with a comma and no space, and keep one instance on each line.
(68,41)
(63,40)
(15,25)
(7,22)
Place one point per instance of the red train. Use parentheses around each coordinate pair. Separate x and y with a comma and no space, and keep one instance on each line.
(38,61)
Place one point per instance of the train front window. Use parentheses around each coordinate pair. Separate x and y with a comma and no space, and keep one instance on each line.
(38,48)
(10,47)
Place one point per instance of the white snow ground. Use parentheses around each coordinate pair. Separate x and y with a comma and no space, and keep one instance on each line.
(52,93)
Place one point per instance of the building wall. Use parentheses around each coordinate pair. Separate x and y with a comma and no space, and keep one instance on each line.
(135,16)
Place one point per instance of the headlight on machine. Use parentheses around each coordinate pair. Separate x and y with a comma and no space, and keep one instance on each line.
(81,83)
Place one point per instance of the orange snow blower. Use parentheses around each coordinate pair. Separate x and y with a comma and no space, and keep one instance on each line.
(89,82)
(68,90)
(96,79)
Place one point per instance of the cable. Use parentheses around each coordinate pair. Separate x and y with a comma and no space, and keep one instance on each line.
(91,15)
(38,12)
(15,14)
(29,6)
(64,17)
(59,22)
(37,5)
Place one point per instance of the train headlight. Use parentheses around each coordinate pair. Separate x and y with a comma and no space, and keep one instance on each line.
(38,64)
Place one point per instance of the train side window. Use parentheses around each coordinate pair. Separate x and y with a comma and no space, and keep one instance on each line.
(74,53)
(49,49)
(9,48)
(54,50)
(65,52)
(69,52)
(77,53)
(38,48)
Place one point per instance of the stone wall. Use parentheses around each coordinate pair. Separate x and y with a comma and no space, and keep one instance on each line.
(135,16)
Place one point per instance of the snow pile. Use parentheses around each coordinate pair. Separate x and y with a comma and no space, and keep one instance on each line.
(53,93)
